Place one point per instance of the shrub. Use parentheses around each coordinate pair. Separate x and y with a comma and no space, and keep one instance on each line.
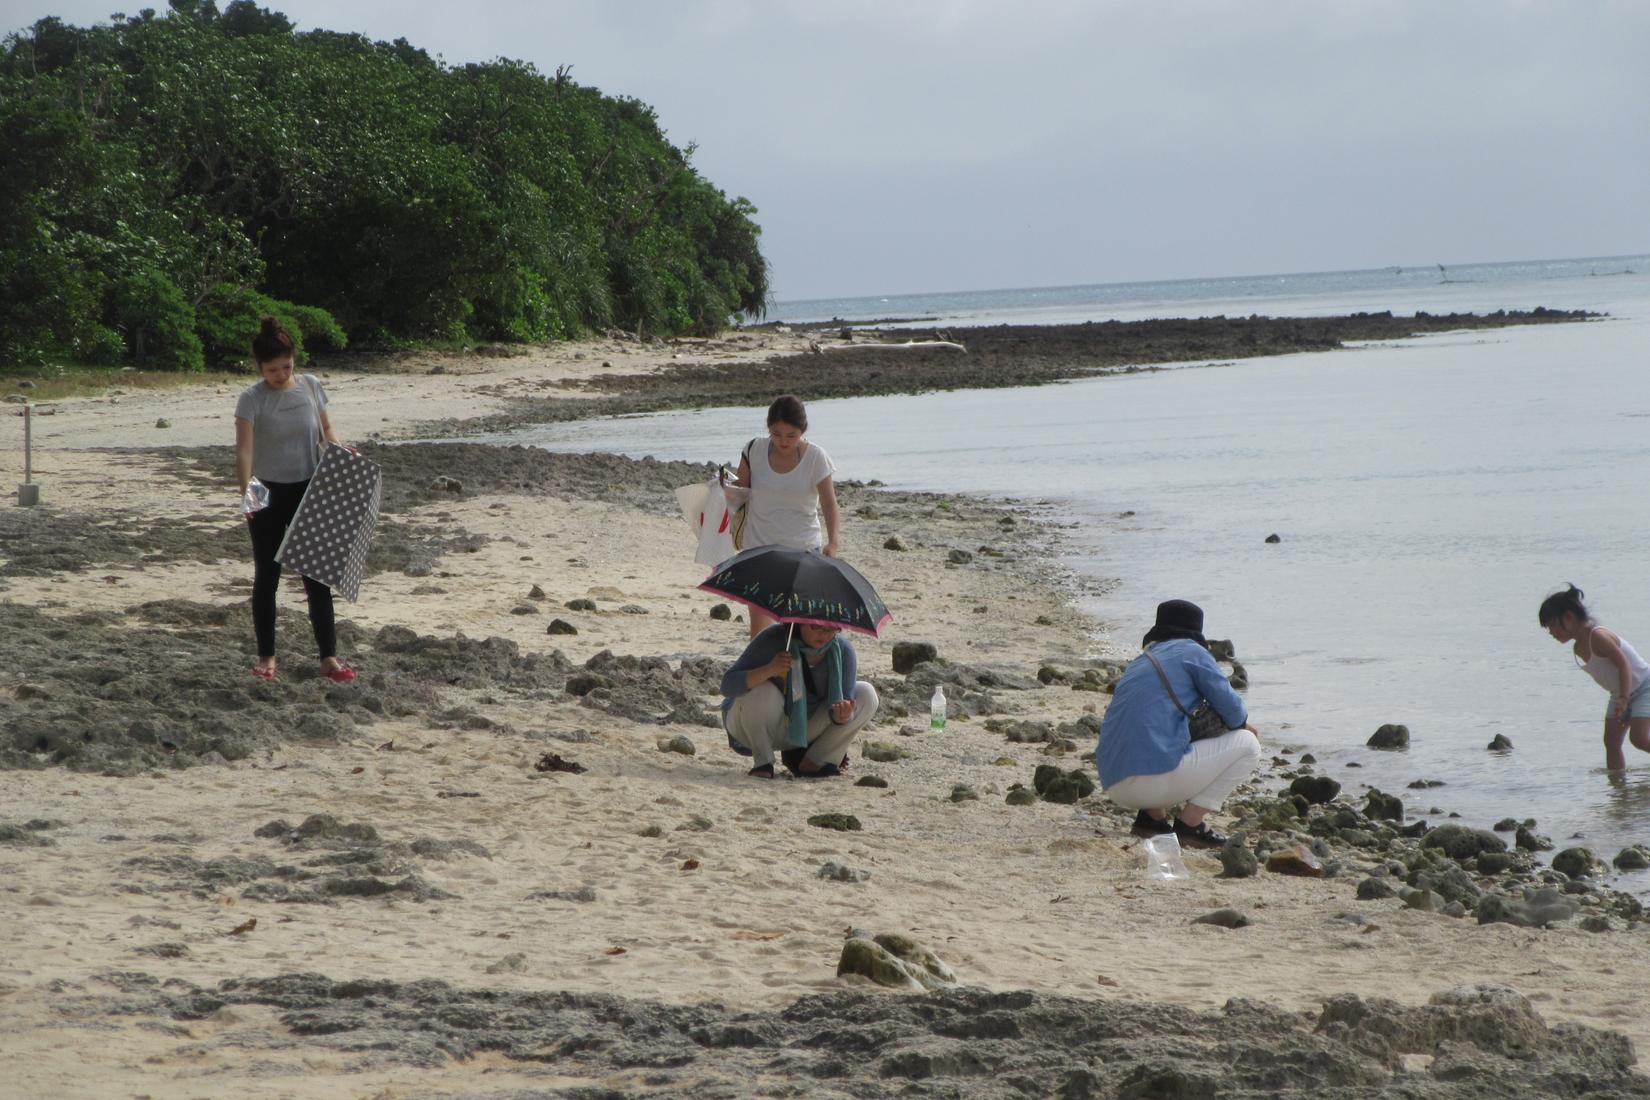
(158,322)
(229,317)
(322,332)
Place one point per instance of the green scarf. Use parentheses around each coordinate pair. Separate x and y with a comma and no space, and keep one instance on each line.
(796,692)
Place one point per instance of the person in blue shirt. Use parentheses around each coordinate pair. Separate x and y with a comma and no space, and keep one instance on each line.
(795,691)
(1146,757)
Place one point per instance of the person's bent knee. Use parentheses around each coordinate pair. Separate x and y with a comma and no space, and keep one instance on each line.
(1250,744)
(764,698)
(866,702)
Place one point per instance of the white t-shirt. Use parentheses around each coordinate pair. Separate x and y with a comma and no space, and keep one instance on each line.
(784,508)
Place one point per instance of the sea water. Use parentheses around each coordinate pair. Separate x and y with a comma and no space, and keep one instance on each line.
(1427,494)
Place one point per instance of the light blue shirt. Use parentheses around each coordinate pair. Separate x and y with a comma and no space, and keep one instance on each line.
(1143,732)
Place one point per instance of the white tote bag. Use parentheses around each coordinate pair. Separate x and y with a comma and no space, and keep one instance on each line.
(705,507)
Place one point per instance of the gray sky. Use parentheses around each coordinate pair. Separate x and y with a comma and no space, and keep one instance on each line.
(898,146)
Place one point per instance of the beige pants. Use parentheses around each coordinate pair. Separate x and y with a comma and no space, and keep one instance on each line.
(757,721)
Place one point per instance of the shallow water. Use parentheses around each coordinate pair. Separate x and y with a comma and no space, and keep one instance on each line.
(1428,494)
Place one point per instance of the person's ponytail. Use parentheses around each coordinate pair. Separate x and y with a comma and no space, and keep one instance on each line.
(1559,604)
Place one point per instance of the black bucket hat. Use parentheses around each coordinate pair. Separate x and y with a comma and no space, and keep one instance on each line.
(1177,619)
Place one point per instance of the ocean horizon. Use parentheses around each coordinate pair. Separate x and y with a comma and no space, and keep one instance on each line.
(1283,294)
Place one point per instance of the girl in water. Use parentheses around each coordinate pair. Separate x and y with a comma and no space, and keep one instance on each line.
(1609,659)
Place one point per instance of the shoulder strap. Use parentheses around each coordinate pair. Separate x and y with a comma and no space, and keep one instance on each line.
(749,447)
(311,384)
(1164,676)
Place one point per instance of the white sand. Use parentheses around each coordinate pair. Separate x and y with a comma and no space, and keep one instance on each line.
(1047,897)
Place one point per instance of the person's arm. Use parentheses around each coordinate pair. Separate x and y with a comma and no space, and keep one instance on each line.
(1211,684)
(832,516)
(844,710)
(326,430)
(243,452)
(1604,645)
(763,659)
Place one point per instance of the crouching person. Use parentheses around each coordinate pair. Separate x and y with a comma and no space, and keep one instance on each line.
(794,693)
(1147,757)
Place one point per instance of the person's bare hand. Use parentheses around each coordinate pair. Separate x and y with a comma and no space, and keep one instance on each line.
(780,665)
(842,711)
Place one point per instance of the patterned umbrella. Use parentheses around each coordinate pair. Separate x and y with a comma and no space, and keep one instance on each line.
(801,586)
(330,535)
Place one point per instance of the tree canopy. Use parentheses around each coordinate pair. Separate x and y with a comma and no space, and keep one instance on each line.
(170,177)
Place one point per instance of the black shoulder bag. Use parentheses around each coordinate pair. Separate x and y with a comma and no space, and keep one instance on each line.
(1202,721)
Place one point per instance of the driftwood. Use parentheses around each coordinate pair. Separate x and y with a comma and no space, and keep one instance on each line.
(907,344)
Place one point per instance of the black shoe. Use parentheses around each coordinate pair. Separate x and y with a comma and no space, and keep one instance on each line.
(792,759)
(1146,826)
(1200,837)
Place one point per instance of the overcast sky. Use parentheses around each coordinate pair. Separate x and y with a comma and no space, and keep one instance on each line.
(898,146)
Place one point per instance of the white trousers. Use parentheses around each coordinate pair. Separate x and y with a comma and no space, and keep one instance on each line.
(1205,776)
(757,721)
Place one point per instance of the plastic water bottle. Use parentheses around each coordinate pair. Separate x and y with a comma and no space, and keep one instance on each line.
(936,710)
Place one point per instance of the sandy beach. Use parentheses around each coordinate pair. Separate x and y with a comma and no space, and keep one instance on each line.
(214,886)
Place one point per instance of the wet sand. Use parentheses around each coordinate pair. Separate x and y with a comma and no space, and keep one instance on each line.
(211,885)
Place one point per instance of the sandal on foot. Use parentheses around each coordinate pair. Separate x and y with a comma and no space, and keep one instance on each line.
(263,673)
(1146,826)
(762,771)
(792,759)
(826,771)
(343,674)
(1200,837)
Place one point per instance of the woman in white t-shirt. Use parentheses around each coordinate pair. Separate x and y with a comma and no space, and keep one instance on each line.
(790,489)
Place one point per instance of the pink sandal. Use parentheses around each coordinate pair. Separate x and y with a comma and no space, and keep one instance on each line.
(343,674)
(263,673)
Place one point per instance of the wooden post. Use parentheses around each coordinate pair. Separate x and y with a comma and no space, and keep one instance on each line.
(28,493)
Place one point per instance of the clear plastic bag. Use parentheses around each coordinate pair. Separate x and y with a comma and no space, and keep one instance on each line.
(255,499)
(1163,863)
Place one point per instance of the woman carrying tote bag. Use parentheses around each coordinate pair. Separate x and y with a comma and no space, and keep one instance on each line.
(280,425)
(789,478)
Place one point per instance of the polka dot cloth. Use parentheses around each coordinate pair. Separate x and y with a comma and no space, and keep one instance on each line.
(328,539)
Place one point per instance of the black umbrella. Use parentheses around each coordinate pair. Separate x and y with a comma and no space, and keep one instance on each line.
(801,586)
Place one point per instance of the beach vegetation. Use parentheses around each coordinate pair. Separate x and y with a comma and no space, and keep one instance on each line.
(169,174)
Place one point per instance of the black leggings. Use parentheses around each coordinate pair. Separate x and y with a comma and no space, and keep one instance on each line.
(268,529)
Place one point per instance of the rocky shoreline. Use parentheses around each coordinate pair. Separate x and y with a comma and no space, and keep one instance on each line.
(523,850)
(847,361)
(1472,1042)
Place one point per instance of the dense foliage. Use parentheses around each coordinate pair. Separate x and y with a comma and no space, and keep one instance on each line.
(167,178)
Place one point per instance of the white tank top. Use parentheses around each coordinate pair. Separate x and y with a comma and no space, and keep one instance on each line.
(1606,674)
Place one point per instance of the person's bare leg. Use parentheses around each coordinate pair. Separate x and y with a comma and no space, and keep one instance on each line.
(1639,733)
(1614,734)
(1191,815)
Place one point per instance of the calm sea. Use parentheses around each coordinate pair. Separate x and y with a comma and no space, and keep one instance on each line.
(1427,493)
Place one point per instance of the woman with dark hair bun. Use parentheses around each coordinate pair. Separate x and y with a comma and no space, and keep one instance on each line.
(281,425)
(790,485)
(1613,664)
